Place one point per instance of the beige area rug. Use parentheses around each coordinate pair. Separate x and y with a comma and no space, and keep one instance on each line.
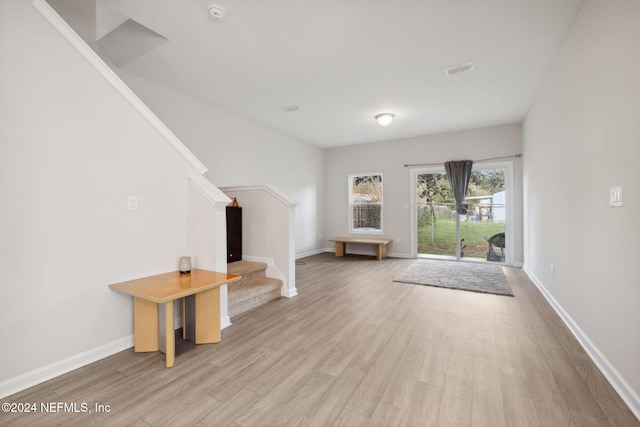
(465,276)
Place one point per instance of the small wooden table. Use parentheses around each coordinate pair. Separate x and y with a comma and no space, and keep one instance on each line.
(381,245)
(149,292)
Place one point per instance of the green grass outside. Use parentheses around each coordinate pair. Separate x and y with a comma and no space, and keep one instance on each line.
(473,233)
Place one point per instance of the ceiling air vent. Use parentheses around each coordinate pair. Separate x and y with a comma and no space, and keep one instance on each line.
(290,108)
(458,69)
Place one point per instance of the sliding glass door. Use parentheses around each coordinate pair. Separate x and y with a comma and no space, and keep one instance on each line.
(436,214)
(481,231)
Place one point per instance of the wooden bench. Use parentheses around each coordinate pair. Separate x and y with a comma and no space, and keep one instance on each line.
(381,245)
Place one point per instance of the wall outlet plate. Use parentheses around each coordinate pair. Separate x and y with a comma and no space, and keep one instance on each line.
(615,196)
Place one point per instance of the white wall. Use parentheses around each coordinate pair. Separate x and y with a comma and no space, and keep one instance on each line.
(240,152)
(390,157)
(73,150)
(581,137)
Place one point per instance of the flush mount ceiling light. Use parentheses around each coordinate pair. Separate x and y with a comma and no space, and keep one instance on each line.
(384,119)
(216,11)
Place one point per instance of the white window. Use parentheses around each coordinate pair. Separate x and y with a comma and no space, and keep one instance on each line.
(365,203)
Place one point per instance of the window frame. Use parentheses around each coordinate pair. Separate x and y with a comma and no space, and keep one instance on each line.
(351,204)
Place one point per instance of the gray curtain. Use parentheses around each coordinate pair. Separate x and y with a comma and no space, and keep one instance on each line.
(458,174)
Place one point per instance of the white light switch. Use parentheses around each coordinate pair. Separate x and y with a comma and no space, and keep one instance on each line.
(132,203)
(615,196)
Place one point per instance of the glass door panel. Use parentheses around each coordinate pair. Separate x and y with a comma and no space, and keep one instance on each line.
(482,229)
(436,216)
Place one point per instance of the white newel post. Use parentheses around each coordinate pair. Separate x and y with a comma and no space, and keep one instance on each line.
(289,289)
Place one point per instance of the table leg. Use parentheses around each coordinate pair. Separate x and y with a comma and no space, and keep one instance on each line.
(184,318)
(340,248)
(170,337)
(207,317)
(145,325)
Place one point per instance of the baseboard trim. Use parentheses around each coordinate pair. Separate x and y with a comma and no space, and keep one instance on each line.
(225,322)
(310,253)
(45,373)
(617,381)
(398,255)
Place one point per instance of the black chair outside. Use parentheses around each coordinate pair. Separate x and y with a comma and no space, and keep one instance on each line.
(496,247)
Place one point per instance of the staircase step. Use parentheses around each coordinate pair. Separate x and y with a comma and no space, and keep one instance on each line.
(249,270)
(240,293)
(245,297)
(253,290)
(243,267)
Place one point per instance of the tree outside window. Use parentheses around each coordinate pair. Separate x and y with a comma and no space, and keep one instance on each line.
(365,203)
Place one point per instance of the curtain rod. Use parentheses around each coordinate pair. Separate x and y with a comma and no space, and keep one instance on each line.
(481,160)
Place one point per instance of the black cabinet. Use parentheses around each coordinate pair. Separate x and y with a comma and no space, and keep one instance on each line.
(234,234)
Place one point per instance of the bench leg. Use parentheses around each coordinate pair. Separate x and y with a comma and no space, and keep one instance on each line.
(382,251)
(340,248)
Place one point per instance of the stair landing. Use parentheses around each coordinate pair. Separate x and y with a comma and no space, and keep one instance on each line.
(253,290)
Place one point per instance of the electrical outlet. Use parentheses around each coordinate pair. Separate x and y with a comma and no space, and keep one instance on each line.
(544,262)
(553,271)
(615,196)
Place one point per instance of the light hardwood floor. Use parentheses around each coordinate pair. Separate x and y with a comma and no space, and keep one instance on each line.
(356,348)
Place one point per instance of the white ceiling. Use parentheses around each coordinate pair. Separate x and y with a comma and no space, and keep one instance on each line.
(340,61)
